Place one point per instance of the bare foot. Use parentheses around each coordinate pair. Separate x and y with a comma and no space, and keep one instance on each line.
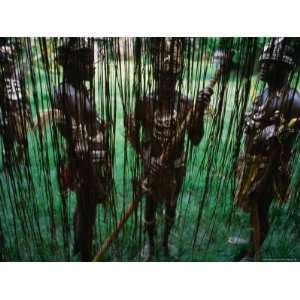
(237,240)
(170,251)
(147,253)
(247,258)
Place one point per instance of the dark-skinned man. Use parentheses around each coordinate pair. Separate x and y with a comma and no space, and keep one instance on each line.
(87,170)
(271,128)
(159,115)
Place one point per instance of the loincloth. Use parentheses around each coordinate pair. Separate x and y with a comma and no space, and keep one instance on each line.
(87,175)
(251,169)
(166,185)
(177,163)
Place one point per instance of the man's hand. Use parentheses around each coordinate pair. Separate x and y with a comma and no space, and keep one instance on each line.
(132,132)
(203,98)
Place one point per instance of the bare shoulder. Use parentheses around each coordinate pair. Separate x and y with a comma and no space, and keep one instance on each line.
(58,95)
(294,102)
(149,98)
(63,93)
(145,103)
(294,95)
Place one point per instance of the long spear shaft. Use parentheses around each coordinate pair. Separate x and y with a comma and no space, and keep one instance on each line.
(164,157)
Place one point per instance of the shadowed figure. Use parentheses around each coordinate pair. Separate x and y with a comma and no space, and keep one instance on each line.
(271,128)
(15,110)
(159,115)
(88,167)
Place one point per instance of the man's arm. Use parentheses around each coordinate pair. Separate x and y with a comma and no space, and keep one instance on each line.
(133,125)
(295,103)
(196,127)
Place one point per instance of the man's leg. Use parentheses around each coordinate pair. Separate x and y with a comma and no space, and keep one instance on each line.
(21,150)
(84,220)
(150,223)
(8,144)
(176,181)
(170,216)
(260,226)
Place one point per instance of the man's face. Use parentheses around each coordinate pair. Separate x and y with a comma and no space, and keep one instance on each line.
(167,59)
(87,71)
(85,63)
(273,71)
(80,70)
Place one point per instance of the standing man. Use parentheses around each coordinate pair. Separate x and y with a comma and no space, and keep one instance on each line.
(15,113)
(160,115)
(88,167)
(271,128)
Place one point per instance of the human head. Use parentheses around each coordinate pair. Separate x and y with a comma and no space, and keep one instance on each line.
(167,60)
(276,62)
(77,59)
